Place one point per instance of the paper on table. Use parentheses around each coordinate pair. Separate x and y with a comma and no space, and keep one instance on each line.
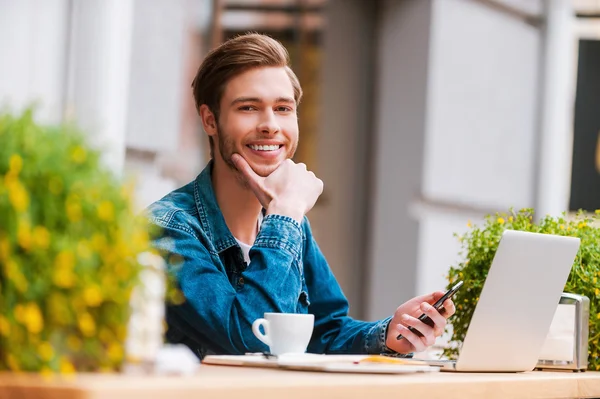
(560,341)
(314,362)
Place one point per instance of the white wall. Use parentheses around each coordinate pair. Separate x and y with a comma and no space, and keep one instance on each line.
(457,125)
(99,72)
(398,135)
(33,44)
(482,107)
(482,126)
(156,75)
(339,219)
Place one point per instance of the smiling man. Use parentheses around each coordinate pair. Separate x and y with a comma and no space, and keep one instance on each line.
(237,238)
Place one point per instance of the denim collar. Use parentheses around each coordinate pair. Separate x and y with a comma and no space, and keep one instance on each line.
(211,217)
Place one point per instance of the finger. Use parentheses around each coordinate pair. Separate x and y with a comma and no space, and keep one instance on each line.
(421,330)
(242,165)
(449,307)
(437,295)
(438,322)
(429,298)
(411,337)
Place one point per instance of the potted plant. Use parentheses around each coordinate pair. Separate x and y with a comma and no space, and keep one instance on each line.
(68,251)
(479,246)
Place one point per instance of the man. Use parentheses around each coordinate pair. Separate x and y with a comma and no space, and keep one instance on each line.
(237,238)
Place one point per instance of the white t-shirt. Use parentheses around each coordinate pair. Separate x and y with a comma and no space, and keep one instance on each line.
(246,247)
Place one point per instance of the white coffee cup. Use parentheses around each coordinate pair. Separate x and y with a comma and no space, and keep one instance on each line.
(285,332)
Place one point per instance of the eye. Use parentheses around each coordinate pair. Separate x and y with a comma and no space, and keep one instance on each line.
(283,108)
(246,108)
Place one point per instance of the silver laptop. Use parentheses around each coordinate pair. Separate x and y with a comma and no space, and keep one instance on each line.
(517,304)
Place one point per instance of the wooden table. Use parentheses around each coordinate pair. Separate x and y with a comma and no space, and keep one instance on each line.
(223,382)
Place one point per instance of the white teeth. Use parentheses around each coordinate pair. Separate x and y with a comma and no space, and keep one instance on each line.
(264,147)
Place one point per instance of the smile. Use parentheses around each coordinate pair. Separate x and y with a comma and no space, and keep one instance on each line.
(265,147)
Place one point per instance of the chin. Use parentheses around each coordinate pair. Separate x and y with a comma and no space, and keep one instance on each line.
(264,170)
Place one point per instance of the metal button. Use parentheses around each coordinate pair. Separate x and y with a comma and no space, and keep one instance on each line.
(304,298)
(241,281)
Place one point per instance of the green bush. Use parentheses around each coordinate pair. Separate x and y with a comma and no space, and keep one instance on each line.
(68,249)
(479,247)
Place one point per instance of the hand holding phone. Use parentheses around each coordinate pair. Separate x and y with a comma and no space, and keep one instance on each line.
(437,305)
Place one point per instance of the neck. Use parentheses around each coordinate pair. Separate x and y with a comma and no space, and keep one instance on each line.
(239,205)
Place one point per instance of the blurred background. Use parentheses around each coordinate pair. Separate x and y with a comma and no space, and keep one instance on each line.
(419,115)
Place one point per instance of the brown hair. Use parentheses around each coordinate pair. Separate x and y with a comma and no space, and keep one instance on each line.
(234,57)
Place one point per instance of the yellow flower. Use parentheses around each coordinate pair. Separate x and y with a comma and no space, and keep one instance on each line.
(46,351)
(140,239)
(177,297)
(598,316)
(83,249)
(469,224)
(121,332)
(562,226)
(14,274)
(19,313)
(92,296)
(78,155)
(63,278)
(41,237)
(500,220)
(87,325)
(4,326)
(106,211)
(66,367)
(597,292)
(510,219)
(34,321)
(24,234)
(12,362)
(58,310)
(46,373)
(63,269)
(15,164)
(98,242)
(31,317)
(581,225)
(18,196)
(73,208)
(127,191)
(115,352)
(65,259)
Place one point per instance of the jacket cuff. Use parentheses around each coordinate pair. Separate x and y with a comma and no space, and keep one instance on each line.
(382,336)
(278,231)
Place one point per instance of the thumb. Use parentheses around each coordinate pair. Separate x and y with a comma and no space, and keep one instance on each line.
(429,298)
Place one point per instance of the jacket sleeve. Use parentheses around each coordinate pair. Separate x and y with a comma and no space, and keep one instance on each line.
(217,310)
(335,332)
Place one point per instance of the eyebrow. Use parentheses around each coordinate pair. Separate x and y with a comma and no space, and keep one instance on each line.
(258,100)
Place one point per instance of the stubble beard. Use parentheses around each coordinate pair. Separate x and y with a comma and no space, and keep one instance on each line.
(227,149)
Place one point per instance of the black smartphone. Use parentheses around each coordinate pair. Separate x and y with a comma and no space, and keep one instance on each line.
(437,305)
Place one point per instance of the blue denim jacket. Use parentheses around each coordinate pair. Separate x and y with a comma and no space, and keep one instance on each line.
(224,295)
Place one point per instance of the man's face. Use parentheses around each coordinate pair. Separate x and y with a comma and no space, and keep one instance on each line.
(258,120)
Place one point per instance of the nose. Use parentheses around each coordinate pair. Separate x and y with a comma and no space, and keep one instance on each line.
(268,123)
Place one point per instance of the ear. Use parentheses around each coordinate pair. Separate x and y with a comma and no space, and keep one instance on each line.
(209,122)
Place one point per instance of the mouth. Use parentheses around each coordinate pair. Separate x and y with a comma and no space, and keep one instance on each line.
(265,148)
